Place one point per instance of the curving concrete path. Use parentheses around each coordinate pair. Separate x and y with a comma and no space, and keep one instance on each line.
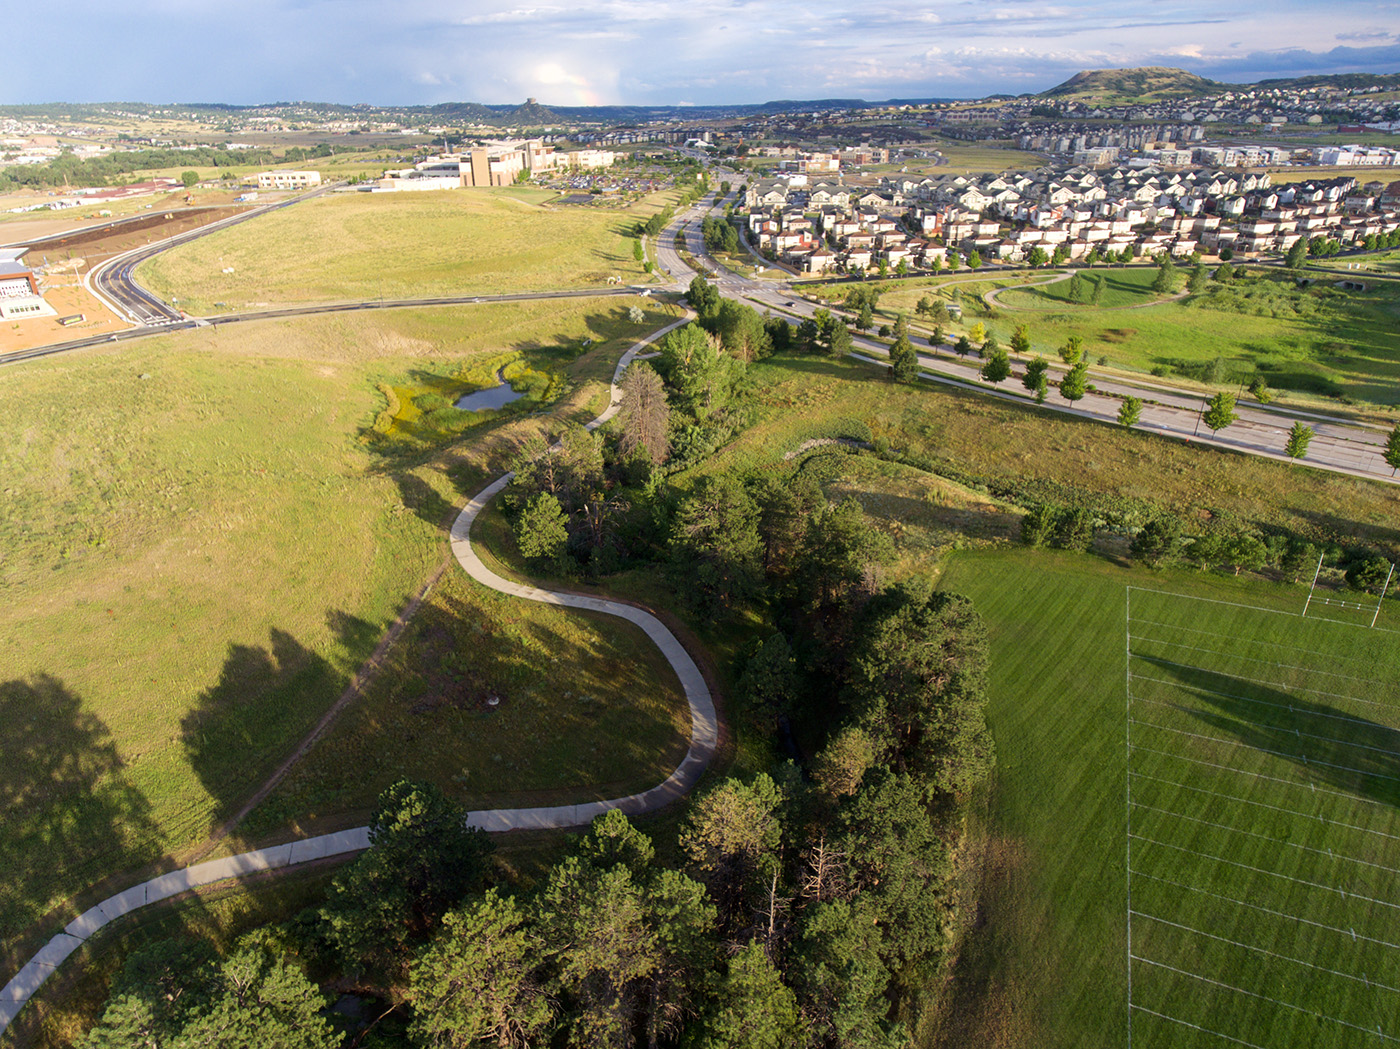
(704,737)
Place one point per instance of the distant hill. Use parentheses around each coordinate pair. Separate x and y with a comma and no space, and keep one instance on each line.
(1341,81)
(531,113)
(1144,84)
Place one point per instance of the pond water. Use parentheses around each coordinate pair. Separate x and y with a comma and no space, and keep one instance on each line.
(491,397)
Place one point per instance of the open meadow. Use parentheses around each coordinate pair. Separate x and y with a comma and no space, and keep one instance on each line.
(1242,765)
(1315,340)
(352,246)
(203,541)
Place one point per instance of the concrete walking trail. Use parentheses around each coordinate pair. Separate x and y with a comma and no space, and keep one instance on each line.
(704,738)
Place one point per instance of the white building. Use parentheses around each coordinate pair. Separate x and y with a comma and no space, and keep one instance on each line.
(288,179)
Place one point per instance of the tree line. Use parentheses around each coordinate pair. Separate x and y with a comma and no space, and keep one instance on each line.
(118,167)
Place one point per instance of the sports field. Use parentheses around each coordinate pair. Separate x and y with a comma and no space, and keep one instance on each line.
(1263,756)
(1259,741)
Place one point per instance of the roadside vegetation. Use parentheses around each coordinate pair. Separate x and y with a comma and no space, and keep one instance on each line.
(1223,325)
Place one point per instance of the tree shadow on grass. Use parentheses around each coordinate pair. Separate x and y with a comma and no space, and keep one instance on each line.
(1330,744)
(71,816)
(265,701)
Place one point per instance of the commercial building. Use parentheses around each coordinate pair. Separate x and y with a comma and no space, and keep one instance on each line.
(20,297)
(288,179)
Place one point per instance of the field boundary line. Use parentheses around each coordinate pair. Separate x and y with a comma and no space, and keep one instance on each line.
(1272,874)
(1297,732)
(1255,659)
(1249,640)
(1128,787)
(1262,750)
(1254,608)
(1265,805)
(1271,779)
(1262,683)
(1266,837)
(1197,1027)
(1377,1033)
(1272,954)
(1269,910)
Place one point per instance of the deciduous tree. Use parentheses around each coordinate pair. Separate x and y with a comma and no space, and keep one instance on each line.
(1220,412)
(1074,384)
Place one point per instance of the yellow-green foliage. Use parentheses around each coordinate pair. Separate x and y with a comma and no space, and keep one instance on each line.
(397,245)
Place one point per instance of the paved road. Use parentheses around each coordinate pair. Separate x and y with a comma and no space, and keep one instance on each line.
(704,737)
(304,311)
(112,281)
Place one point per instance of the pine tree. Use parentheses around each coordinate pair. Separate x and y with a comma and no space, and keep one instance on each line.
(1298,440)
(904,362)
(1392,450)
(1035,373)
(1130,411)
(997,367)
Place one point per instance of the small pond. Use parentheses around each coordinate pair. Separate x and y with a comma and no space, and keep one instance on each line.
(491,397)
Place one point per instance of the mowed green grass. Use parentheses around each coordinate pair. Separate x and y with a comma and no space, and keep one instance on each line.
(197,552)
(1317,341)
(398,245)
(1265,779)
(1052,958)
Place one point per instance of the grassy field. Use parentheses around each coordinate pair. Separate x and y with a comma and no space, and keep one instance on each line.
(1317,340)
(368,246)
(558,733)
(1244,774)
(195,561)
(1040,451)
(1282,176)
(963,158)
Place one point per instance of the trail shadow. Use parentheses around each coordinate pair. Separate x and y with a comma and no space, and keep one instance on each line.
(71,816)
(265,700)
(1333,746)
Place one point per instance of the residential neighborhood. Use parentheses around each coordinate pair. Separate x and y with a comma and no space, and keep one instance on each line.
(1076,213)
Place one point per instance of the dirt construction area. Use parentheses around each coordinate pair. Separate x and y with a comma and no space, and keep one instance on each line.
(61,263)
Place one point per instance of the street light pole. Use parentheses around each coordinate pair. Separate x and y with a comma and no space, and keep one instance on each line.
(1200,415)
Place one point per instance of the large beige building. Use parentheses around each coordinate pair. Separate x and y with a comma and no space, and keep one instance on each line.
(288,179)
(501,163)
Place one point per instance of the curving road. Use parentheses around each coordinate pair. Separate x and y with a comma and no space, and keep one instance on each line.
(113,283)
(704,738)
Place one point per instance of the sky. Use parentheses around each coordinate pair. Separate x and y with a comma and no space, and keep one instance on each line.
(661,52)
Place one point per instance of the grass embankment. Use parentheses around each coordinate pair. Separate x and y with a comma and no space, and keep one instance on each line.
(393,246)
(1049,965)
(1315,341)
(195,562)
(1044,454)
